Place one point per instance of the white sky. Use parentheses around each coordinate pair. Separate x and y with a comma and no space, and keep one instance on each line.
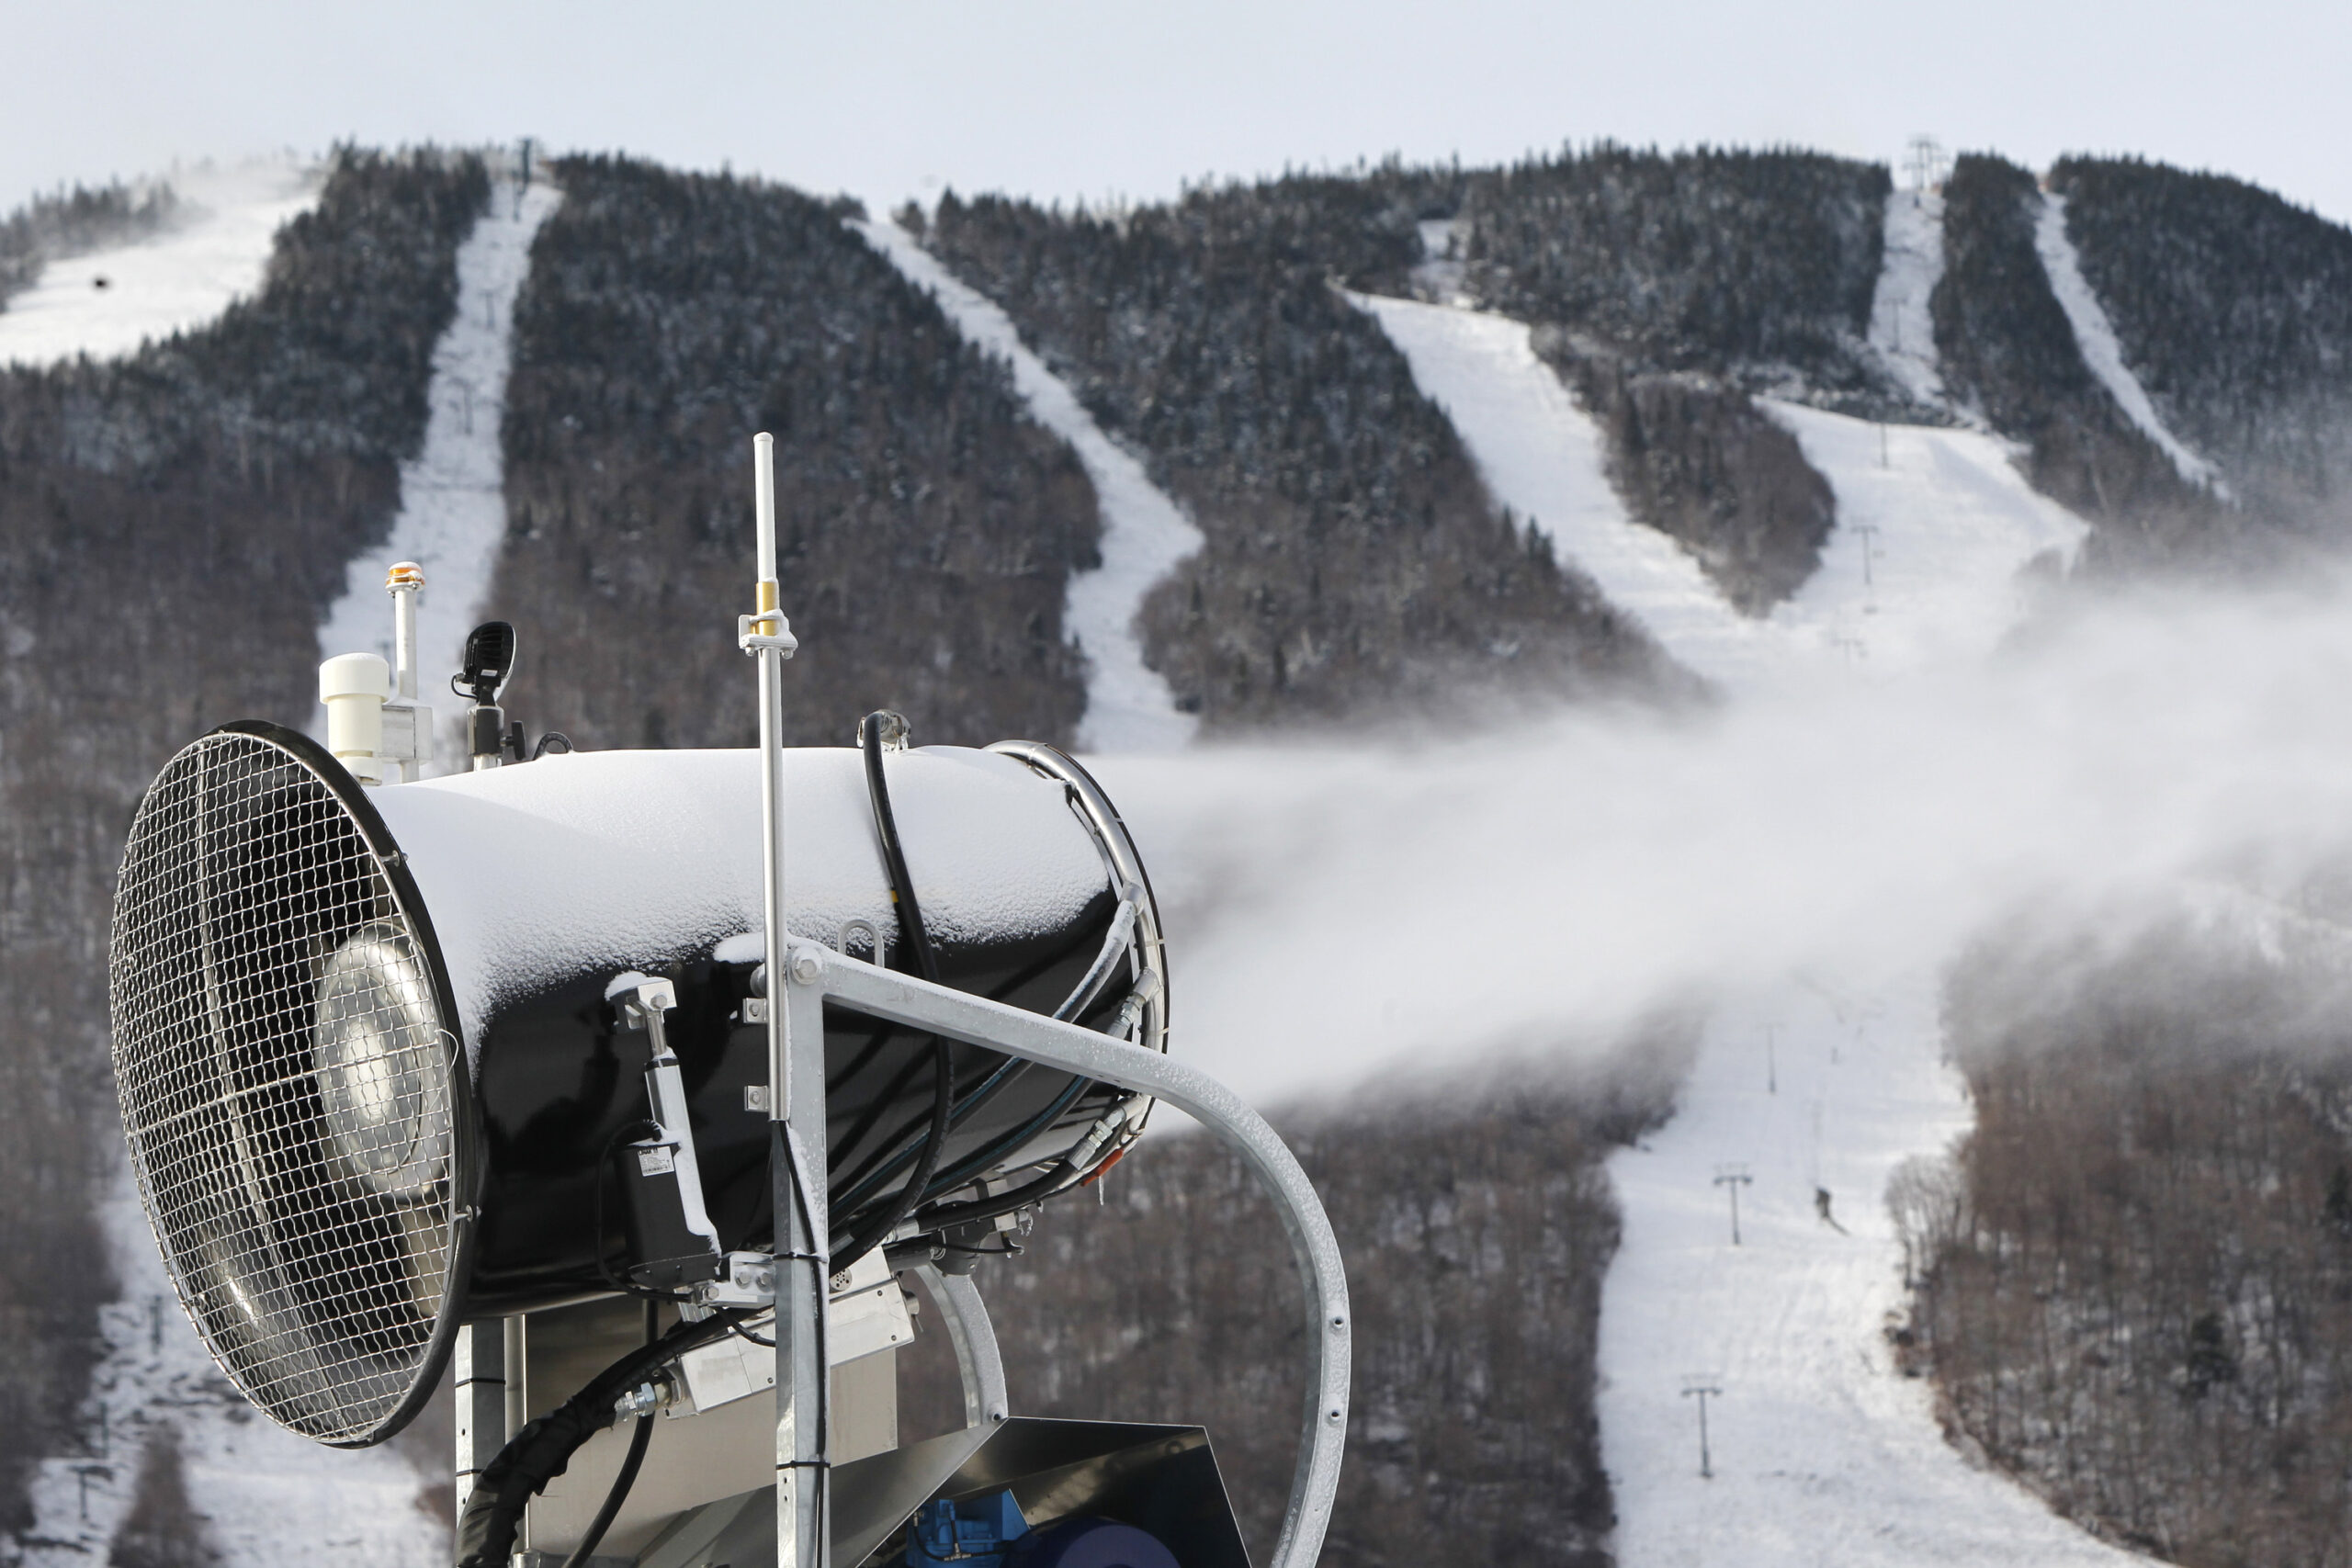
(1061,98)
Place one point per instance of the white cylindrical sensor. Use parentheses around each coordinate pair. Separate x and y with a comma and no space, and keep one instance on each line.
(355,687)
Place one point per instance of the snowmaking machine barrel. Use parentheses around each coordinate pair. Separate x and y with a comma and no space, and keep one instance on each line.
(375,1047)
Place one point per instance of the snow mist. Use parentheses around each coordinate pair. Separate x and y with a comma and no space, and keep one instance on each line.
(1341,913)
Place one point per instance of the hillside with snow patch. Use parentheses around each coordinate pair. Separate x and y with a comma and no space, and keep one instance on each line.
(266,1496)
(1145,535)
(453,495)
(105,304)
(1823,1453)
(2095,336)
(1935,525)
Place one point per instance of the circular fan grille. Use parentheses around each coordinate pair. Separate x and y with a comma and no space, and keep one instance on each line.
(290,1087)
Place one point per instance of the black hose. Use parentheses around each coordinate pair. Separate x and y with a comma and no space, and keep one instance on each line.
(917,938)
(978,1209)
(639,1442)
(880,1166)
(539,1453)
(916,935)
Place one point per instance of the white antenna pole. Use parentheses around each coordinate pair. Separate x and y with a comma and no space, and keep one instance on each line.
(763,494)
(405,577)
(796,1104)
(403,582)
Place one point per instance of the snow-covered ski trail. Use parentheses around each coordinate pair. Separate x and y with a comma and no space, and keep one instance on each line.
(106,303)
(1545,459)
(453,493)
(2102,351)
(1824,1455)
(1903,333)
(273,1499)
(1934,525)
(276,1497)
(1145,533)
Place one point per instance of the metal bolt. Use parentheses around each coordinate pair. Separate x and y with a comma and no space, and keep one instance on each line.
(807,967)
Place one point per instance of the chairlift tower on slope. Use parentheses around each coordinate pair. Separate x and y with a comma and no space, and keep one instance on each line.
(637,1089)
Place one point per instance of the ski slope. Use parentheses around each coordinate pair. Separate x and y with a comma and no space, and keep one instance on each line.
(274,1497)
(453,493)
(1903,333)
(178,280)
(271,1497)
(1544,458)
(1941,517)
(1145,533)
(1935,526)
(2102,351)
(1824,1455)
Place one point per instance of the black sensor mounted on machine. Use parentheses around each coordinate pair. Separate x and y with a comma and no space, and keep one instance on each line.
(489,660)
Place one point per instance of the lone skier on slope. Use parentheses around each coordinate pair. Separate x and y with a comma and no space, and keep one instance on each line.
(1821,1207)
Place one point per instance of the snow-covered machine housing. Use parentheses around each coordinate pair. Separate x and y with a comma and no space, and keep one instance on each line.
(298,961)
(502,1078)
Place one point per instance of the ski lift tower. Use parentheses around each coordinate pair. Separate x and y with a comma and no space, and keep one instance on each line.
(1925,164)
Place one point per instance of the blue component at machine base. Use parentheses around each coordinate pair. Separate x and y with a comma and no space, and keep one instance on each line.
(989,1532)
(974,1533)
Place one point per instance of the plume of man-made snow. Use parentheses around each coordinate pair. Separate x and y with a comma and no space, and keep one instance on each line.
(1941,517)
(453,493)
(270,1498)
(1803,861)
(106,303)
(2095,336)
(1145,533)
(1340,911)
(1902,332)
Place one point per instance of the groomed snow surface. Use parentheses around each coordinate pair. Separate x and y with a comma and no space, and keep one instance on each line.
(1145,533)
(1935,527)
(2101,350)
(270,1496)
(178,280)
(1902,330)
(1823,1454)
(453,493)
(1941,517)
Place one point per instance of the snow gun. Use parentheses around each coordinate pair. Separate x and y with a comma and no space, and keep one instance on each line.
(636,1094)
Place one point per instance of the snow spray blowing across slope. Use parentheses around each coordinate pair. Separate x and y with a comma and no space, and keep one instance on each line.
(1512,890)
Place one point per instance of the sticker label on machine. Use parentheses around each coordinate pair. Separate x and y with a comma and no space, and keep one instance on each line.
(867,1315)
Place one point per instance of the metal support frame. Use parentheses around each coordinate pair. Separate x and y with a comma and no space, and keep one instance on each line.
(815,974)
(796,1104)
(481,1375)
(802,976)
(977,1361)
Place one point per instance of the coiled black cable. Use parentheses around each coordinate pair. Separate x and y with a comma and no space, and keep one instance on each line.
(886,1161)
(916,941)
(639,1442)
(539,1453)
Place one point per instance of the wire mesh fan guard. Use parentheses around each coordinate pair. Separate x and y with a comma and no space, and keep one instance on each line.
(301,1164)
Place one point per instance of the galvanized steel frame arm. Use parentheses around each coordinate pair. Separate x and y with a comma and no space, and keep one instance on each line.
(819,975)
(978,1364)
